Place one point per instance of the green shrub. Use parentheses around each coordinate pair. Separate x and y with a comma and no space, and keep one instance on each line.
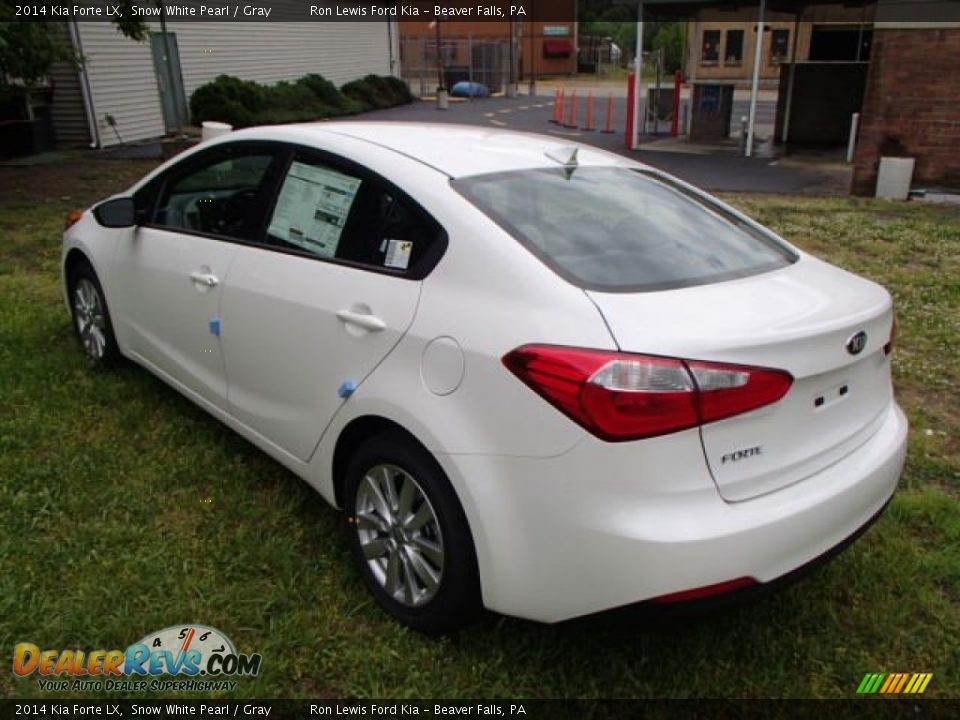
(227,99)
(399,90)
(362,94)
(328,94)
(243,103)
(375,91)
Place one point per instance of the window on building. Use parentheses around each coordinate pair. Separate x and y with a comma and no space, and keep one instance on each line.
(710,52)
(779,44)
(840,42)
(733,54)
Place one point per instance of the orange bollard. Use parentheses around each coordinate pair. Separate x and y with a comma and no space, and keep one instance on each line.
(588,124)
(609,126)
(572,119)
(557,118)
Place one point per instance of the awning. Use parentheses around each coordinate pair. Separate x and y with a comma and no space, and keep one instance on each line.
(557,48)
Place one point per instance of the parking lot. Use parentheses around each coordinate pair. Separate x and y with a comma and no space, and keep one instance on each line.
(804,174)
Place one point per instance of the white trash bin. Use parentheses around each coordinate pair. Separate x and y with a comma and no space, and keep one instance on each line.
(211,129)
(893,179)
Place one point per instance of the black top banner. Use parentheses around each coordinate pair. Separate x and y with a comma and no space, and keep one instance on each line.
(480,709)
(431,11)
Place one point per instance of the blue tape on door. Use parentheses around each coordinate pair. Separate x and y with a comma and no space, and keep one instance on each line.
(215,326)
(346,389)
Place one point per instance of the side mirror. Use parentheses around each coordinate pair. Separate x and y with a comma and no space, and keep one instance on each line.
(117,213)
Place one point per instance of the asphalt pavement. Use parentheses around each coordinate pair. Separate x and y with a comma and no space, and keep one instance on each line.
(722,172)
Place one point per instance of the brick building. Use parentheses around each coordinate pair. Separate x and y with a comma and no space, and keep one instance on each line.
(542,47)
(911,106)
(722,40)
(910,102)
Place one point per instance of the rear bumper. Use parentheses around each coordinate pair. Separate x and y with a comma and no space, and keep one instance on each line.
(608,525)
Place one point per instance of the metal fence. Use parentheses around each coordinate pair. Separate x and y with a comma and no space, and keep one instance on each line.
(482,60)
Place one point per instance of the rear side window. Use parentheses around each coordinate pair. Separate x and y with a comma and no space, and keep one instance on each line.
(622,230)
(334,211)
(312,208)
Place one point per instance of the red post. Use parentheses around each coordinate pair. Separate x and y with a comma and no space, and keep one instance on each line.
(630,118)
(609,126)
(588,124)
(572,119)
(558,108)
(677,84)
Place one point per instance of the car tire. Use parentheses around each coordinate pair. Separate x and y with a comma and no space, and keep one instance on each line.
(409,535)
(91,317)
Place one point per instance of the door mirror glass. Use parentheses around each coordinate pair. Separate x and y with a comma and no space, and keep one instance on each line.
(117,213)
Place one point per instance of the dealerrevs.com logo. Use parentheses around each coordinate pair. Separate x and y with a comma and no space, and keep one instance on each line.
(204,655)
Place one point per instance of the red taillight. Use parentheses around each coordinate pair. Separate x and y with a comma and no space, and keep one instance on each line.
(621,396)
(705,591)
(888,348)
(726,390)
(72,217)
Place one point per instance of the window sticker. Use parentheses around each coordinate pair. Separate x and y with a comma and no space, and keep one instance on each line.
(398,254)
(313,207)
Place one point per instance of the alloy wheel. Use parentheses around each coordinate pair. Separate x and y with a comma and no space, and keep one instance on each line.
(399,535)
(90,318)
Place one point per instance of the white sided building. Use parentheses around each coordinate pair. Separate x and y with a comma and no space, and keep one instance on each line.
(130,82)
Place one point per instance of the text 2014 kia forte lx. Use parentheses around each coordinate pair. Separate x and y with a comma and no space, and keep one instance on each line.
(535,377)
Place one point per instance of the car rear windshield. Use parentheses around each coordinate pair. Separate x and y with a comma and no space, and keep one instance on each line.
(622,230)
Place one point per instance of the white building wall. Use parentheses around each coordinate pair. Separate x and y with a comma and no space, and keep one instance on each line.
(123,81)
(269,52)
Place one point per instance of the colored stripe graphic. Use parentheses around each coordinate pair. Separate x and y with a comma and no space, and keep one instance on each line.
(894,683)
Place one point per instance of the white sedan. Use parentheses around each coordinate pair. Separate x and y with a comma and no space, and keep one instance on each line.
(536,378)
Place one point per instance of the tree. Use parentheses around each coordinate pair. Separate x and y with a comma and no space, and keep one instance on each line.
(604,19)
(670,38)
(29,48)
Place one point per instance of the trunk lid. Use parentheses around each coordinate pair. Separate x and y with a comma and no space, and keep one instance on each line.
(799,319)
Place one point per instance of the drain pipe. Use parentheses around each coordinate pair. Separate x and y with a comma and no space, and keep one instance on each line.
(393,62)
(85,87)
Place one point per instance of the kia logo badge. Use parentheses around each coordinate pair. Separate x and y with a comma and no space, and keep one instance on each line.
(857,343)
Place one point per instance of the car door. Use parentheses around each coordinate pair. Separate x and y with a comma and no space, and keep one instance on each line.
(311,311)
(171,271)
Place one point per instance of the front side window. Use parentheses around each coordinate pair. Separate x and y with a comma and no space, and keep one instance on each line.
(339,213)
(622,230)
(224,193)
(710,51)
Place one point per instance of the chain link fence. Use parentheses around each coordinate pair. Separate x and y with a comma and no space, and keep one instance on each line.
(482,60)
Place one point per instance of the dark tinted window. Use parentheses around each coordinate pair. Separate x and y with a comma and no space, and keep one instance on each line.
(346,214)
(223,193)
(710,51)
(779,40)
(622,230)
(733,55)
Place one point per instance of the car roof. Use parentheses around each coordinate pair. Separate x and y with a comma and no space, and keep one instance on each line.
(455,150)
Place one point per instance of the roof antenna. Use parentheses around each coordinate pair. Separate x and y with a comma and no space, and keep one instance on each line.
(566,156)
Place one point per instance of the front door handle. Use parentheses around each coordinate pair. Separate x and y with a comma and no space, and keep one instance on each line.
(205,278)
(367,321)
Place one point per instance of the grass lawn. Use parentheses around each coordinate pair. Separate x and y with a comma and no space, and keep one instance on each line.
(103,535)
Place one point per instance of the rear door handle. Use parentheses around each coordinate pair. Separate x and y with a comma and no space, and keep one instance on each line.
(364,320)
(205,278)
